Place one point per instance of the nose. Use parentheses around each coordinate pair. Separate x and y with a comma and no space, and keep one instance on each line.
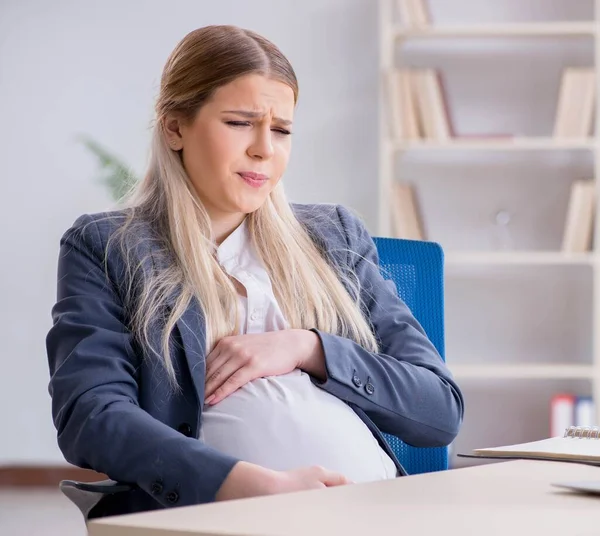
(261,147)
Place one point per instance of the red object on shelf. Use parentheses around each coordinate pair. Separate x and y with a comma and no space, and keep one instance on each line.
(562,413)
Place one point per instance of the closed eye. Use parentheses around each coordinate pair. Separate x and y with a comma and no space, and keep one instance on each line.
(239,123)
(279,130)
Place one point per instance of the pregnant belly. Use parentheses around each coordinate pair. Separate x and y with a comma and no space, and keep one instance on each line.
(285,422)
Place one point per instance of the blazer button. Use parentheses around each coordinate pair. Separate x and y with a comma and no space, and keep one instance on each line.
(185,429)
(156,488)
(356,381)
(370,388)
(172,497)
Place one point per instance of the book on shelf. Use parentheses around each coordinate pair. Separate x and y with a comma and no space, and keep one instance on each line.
(567,410)
(418,108)
(577,235)
(406,220)
(576,103)
(414,13)
(417,105)
(577,444)
(432,107)
(403,121)
(585,411)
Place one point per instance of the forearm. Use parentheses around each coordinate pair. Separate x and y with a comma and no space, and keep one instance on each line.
(417,401)
(123,441)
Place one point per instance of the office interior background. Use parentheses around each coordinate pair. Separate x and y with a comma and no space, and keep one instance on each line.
(520,313)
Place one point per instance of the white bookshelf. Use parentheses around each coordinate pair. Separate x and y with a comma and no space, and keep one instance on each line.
(392,37)
(526,258)
(563,29)
(516,371)
(508,144)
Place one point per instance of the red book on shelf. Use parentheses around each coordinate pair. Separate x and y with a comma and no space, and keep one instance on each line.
(562,413)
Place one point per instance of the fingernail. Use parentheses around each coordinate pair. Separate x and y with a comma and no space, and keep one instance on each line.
(209,399)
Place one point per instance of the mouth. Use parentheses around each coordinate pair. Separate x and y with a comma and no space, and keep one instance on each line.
(256,180)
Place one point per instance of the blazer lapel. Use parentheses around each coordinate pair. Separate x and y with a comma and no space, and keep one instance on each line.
(192,329)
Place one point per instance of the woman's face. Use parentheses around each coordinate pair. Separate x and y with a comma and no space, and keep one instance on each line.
(237,148)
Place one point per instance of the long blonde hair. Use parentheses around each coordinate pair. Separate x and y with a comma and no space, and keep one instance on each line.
(307,287)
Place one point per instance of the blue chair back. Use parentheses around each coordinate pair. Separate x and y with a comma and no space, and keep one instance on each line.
(417,269)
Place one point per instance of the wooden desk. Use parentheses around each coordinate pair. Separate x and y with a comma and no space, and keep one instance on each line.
(503,498)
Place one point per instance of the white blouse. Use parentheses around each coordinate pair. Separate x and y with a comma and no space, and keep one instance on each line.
(285,422)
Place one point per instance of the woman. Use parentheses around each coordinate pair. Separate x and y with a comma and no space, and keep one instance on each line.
(212,341)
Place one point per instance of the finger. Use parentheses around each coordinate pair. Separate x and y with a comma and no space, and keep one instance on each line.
(220,375)
(331,479)
(216,362)
(214,354)
(238,379)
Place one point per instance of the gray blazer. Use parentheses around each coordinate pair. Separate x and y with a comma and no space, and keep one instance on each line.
(113,408)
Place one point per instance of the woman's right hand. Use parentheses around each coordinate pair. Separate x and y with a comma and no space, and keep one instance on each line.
(250,480)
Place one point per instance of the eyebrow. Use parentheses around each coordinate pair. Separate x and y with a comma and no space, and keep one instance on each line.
(256,115)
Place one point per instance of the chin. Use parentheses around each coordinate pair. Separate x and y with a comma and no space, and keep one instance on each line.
(251,206)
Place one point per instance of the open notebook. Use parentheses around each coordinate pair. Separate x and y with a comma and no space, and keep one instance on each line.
(579,444)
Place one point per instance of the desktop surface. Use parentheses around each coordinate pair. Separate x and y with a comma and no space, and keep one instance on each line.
(509,497)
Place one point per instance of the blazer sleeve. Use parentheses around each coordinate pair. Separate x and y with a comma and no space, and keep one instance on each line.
(94,392)
(406,389)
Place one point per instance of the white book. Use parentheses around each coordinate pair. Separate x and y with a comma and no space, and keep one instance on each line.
(405,214)
(577,235)
(402,114)
(406,12)
(585,414)
(562,414)
(576,103)
(432,112)
(420,13)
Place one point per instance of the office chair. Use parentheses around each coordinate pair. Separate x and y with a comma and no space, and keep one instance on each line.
(417,269)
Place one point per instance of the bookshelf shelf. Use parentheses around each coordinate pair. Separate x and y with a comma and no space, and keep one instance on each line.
(510,144)
(519,371)
(544,29)
(466,258)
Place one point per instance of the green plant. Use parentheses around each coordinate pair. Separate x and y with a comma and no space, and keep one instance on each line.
(114,173)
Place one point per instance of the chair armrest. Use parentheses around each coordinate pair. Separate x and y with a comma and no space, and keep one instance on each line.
(104,487)
(86,495)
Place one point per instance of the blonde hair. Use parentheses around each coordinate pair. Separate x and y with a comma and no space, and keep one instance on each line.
(307,287)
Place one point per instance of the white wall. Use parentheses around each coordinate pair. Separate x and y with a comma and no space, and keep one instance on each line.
(69,67)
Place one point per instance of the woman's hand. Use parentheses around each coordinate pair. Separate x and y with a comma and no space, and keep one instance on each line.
(249,480)
(239,359)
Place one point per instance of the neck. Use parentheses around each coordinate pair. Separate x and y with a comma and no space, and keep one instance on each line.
(223,226)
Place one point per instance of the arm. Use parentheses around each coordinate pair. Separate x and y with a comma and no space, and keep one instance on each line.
(406,389)
(94,391)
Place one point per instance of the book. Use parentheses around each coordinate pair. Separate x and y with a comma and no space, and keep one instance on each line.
(577,235)
(576,103)
(432,107)
(585,414)
(562,413)
(402,113)
(578,444)
(414,13)
(405,213)
(421,16)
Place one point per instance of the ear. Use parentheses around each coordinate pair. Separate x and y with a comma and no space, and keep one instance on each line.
(172,128)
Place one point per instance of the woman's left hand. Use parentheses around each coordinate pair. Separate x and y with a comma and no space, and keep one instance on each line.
(239,359)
